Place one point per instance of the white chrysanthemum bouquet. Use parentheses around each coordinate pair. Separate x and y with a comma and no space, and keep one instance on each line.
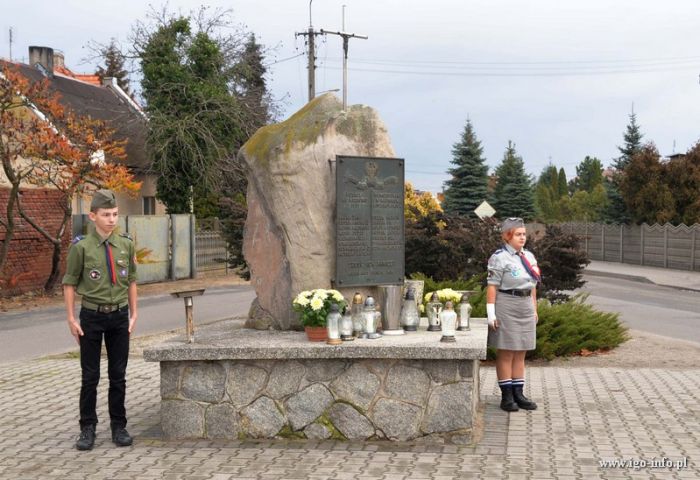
(314,305)
(445,295)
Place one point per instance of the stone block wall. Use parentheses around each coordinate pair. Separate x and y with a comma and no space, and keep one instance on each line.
(29,258)
(354,399)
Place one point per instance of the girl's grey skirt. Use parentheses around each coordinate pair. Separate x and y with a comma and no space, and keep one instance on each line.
(516,320)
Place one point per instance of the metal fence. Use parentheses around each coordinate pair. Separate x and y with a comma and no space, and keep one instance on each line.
(666,246)
(211,248)
(165,244)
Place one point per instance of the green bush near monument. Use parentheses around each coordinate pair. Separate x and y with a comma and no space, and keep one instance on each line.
(563,329)
(574,327)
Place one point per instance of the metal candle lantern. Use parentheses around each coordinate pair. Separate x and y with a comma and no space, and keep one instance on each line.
(465,311)
(434,308)
(333,325)
(448,321)
(356,313)
(409,313)
(346,327)
(371,318)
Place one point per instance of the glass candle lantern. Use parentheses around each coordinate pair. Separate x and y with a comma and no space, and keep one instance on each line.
(333,325)
(356,313)
(409,312)
(346,327)
(434,308)
(371,318)
(465,311)
(448,322)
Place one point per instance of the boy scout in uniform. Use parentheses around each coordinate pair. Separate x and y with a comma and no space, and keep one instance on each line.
(102,268)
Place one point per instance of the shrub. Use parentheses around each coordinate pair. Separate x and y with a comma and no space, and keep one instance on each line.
(561,260)
(446,247)
(565,328)
(573,326)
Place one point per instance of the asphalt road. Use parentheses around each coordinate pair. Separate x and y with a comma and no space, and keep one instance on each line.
(666,311)
(26,335)
(642,306)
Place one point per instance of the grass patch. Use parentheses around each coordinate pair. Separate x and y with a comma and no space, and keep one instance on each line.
(287,432)
(72,355)
(326,422)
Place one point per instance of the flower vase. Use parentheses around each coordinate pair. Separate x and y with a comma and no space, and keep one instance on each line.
(316,334)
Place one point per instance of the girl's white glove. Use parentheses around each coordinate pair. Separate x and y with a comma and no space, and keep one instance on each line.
(491,314)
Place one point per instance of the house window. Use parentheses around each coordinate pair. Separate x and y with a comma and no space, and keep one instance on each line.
(149,205)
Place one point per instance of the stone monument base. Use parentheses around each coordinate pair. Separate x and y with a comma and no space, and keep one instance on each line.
(243,383)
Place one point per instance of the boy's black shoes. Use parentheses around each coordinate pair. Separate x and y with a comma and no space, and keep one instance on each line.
(86,440)
(121,437)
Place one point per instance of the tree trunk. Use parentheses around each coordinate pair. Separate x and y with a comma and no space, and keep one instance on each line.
(55,268)
(55,274)
(9,226)
(56,241)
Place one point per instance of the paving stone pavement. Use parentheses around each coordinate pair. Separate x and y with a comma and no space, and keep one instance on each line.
(586,415)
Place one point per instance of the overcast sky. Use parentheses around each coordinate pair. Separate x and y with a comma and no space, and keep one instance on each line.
(558,78)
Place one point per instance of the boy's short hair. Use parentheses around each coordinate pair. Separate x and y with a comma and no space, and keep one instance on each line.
(103,199)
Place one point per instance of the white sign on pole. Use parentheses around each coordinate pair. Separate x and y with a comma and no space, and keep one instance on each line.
(484,210)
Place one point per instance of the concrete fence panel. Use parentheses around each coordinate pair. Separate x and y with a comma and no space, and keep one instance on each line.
(182,246)
(664,246)
(151,232)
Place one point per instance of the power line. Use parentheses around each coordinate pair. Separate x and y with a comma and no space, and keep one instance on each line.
(284,59)
(518,74)
(694,58)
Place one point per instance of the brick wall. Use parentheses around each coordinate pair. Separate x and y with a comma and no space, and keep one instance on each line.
(29,259)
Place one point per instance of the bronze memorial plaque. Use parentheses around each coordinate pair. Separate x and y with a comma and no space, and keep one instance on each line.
(369,223)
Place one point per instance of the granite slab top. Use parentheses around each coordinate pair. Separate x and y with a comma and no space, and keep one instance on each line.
(227,341)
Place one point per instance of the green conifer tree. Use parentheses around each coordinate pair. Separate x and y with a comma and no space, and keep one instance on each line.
(589,174)
(114,66)
(563,189)
(617,211)
(468,186)
(195,118)
(547,195)
(513,196)
(633,144)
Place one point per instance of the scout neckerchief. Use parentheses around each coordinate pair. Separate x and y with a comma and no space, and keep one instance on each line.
(533,271)
(110,263)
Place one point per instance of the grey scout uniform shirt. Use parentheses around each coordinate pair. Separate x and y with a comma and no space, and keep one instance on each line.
(86,268)
(506,271)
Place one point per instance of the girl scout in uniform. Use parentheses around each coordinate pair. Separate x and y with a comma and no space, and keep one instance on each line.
(511,308)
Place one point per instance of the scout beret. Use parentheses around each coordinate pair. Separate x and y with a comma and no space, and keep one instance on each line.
(511,223)
(103,199)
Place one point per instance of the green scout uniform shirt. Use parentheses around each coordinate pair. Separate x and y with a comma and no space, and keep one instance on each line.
(86,267)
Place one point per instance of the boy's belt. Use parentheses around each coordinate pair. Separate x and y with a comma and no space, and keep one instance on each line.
(517,293)
(106,308)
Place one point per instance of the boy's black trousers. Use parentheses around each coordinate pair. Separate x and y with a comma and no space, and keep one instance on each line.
(114,327)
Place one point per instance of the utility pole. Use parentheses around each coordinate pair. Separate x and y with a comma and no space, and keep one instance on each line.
(311,35)
(10,43)
(346,38)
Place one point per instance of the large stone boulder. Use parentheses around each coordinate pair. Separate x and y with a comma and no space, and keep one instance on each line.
(289,240)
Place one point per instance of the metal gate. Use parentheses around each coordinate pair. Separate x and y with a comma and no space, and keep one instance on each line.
(211,248)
